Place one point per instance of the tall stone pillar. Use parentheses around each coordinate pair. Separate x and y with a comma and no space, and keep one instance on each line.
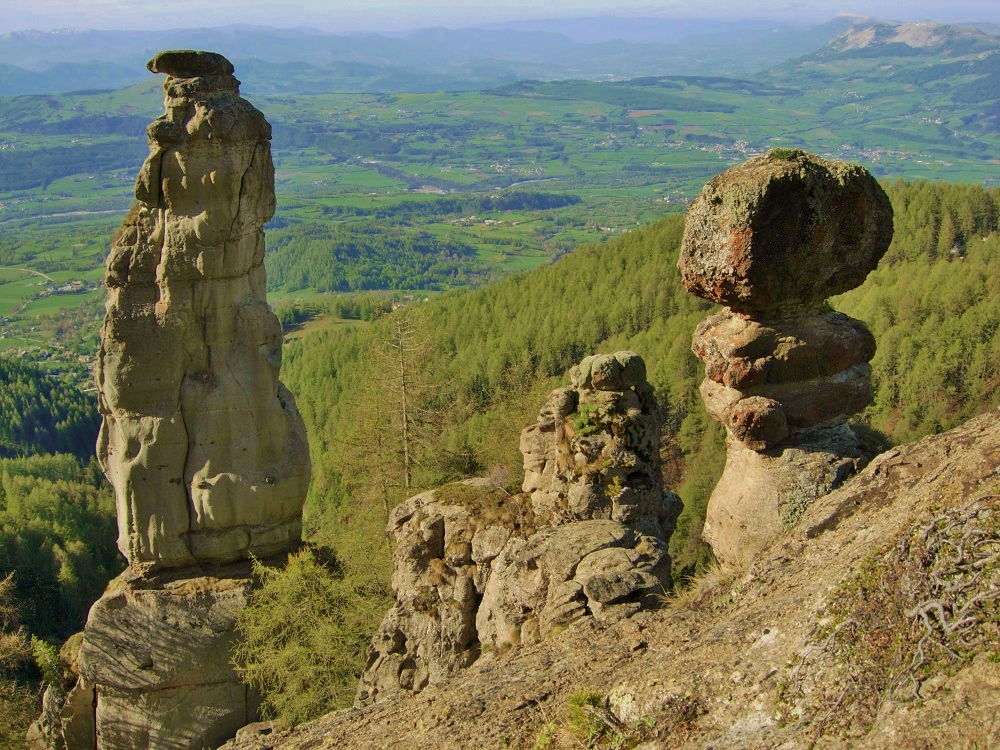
(203,445)
(770,240)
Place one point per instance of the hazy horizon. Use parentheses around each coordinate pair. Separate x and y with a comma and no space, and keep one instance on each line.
(397,15)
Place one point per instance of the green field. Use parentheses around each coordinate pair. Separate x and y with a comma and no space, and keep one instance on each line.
(469,185)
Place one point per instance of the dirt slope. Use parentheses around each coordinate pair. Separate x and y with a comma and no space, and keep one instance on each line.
(794,652)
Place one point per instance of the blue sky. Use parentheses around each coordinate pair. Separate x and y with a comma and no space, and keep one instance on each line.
(348,15)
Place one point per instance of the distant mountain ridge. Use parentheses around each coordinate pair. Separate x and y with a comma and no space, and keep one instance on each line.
(925,61)
(925,35)
(430,59)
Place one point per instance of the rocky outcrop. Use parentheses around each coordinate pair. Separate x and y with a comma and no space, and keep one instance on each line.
(771,240)
(153,668)
(201,442)
(477,570)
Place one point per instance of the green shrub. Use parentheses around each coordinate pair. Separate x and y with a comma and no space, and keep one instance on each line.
(17,699)
(306,632)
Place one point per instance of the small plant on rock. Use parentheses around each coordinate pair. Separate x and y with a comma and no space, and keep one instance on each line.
(585,420)
(928,604)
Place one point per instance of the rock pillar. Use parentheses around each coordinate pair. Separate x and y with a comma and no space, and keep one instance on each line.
(770,240)
(203,445)
(476,568)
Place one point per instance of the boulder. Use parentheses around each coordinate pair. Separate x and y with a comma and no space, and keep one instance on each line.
(784,231)
(447,540)
(154,665)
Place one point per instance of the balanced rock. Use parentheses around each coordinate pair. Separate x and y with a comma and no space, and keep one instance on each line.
(476,568)
(203,445)
(772,239)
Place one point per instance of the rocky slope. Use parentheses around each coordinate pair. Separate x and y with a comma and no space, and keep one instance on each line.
(821,641)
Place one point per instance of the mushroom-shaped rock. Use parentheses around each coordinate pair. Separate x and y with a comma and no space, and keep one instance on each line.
(190,63)
(784,231)
(771,239)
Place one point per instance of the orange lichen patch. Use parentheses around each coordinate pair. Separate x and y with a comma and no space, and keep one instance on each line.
(739,244)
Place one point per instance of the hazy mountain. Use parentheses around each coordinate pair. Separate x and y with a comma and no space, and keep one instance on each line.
(426,60)
(597,29)
(944,78)
(64,77)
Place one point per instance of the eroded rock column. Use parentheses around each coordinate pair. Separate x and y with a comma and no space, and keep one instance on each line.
(771,240)
(203,445)
(476,568)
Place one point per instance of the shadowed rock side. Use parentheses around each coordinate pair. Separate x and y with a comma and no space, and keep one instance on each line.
(478,570)
(771,240)
(203,445)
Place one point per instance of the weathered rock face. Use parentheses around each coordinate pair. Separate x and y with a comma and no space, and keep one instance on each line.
(783,231)
(446,541)
(203,445)
(594,452)
(153,668)
(771,240)
(478,569)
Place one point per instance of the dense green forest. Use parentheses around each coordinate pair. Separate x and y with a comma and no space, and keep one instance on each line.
(57,528)
(329,258)
(57,519)
(40,413)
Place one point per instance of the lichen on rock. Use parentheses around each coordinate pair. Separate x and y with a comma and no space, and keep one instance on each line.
(783,231)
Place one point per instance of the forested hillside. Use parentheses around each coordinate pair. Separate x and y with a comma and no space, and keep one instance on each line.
(42,414)
(57,528)
(478,364)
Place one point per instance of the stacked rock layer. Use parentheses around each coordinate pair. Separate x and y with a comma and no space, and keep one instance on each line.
(771,240)
(478,569)
(203,445)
